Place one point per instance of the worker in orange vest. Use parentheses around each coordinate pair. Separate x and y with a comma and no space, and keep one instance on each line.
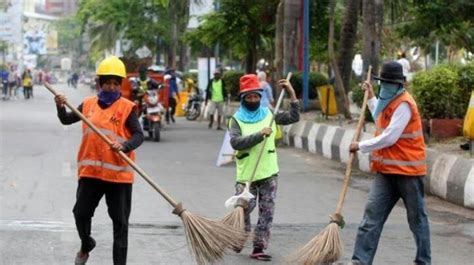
(101,170)
(399,158)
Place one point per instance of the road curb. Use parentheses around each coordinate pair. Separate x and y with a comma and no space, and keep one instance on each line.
(448,177)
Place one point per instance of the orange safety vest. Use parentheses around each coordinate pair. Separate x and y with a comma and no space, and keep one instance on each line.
(407,156)
(95,158)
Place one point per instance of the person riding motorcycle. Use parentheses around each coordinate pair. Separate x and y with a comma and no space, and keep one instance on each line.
(192,108)
(140,85)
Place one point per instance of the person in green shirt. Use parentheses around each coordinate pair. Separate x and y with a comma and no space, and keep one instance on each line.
(217,95)
(247,129)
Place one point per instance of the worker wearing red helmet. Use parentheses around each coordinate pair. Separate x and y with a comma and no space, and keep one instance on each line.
(247,128)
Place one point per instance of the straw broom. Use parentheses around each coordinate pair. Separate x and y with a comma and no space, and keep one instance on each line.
(326,247)
(207,239)
(235,218)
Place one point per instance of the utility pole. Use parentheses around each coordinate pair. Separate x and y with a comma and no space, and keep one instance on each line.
(305,54)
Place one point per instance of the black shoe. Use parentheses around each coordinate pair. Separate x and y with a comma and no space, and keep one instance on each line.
(219,129)
(465,146)
(83,255)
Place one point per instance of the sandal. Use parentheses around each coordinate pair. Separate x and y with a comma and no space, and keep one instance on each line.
(261,256)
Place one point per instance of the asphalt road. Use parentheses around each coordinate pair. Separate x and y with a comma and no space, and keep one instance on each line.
(38,182)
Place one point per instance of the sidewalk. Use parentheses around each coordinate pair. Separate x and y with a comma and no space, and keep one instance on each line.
(450,169)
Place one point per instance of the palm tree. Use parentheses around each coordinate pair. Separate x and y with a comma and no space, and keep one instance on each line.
(103,36)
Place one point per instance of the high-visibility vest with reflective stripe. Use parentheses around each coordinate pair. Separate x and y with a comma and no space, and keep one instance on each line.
(468,126)
(95,158)
(407,156)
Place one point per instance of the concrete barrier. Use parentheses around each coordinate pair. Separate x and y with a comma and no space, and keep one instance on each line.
(449,177)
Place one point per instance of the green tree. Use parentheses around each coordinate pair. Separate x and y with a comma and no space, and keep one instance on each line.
(450,22)
(245,27)
(69,38)
(139,22)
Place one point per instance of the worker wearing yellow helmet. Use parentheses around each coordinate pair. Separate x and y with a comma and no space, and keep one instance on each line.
(101,171)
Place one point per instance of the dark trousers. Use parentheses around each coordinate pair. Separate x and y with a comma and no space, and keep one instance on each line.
(171,110)
(386,190)
(28,91)
(118,197)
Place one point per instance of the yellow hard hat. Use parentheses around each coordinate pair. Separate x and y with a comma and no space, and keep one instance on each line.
(112,66)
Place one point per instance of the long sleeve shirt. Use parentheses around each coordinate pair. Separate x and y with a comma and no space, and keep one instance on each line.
(132,124)
(399,121)
(239,142)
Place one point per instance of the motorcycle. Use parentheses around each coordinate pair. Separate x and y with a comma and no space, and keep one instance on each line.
(153,112)
(192,109)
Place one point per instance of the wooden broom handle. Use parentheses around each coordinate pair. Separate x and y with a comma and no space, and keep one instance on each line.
(352,155)
(277,107)
(121,153)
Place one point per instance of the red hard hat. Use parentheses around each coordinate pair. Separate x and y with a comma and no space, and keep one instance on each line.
(249,83)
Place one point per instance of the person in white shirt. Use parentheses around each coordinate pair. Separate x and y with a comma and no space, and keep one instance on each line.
(398,156)
(401,56)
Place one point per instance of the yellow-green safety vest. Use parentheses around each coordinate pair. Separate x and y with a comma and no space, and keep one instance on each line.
(246,159)
(217,95)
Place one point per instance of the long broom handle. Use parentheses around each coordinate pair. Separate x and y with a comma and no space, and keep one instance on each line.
(277,107)
(347,175)
(121,153)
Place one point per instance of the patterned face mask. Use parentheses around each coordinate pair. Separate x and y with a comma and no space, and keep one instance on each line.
(107,98)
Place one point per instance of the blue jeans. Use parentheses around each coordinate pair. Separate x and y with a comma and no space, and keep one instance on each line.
(386,190)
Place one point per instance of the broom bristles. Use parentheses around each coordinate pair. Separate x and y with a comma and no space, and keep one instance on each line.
(235,219)
(324,248)
(207,239)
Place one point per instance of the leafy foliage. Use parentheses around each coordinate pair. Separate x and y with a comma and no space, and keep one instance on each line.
(231,79)
(69,32)
(138,21)
(319,30)
(438,93)
(315,80)
(451,22)
(241,26)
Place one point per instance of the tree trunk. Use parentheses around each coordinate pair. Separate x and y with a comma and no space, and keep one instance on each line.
(341,96)
(278,73)
(174,34)
(251,58)
(371,35)
(379,24)
(290,31)
(348,39)
(182,21)
(183,57)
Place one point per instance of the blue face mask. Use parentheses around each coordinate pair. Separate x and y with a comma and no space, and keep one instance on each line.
(108,98)
(389,90)
(387,93)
